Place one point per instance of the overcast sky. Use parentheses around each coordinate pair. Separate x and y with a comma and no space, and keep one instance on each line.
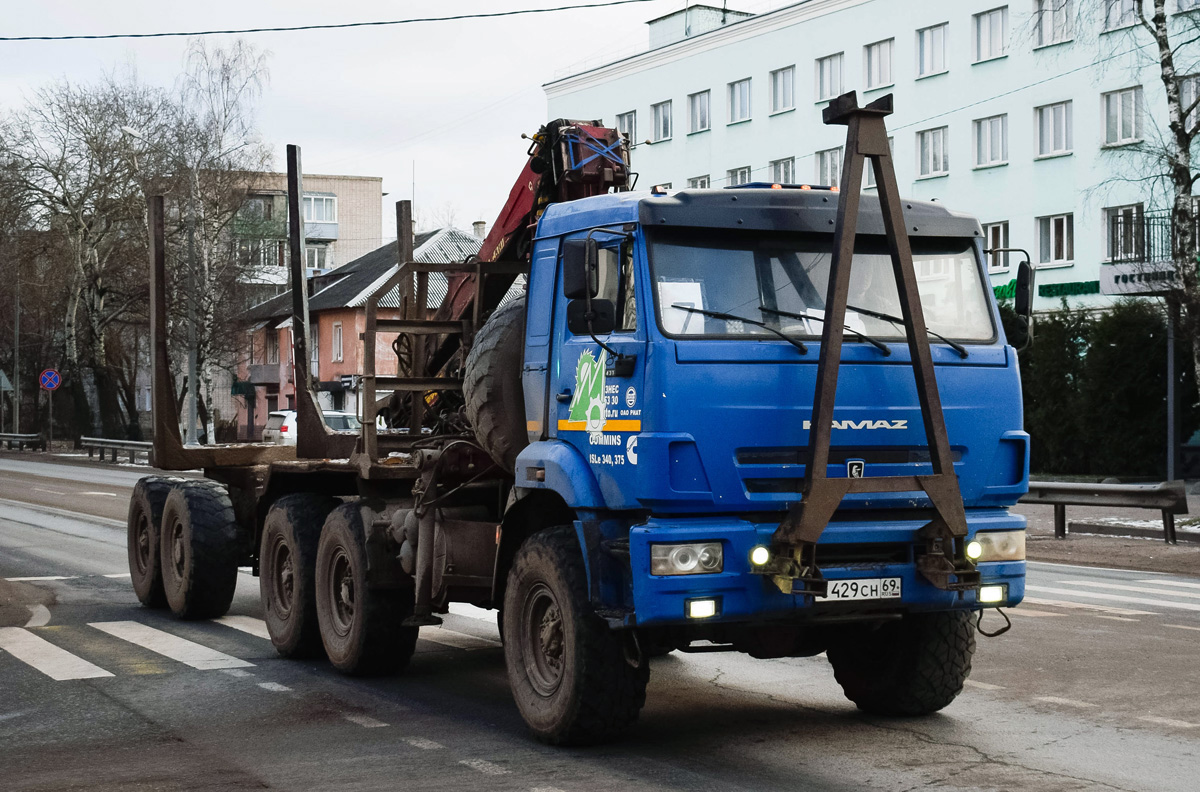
(451,97)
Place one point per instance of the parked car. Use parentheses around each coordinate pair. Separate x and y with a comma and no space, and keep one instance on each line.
(281,425)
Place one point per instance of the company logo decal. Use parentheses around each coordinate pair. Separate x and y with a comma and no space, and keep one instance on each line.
(587,404)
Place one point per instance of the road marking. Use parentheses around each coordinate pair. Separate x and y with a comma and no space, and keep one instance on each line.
(274,687)
(1182,583)
(423,744)
(1066,702)
(37,579)
(52,492)
(1037,614)
(1182,627)
(982,685)
(168,645)
(1136,589)
(39,616)
(1115,618)
(237,672)
(545,789)
(247,624)
(484,766)
(1085,606)
(118,575)
(109,494)
(457,640)
(56,663)
(1178,724)
(364,721)
(1189,606)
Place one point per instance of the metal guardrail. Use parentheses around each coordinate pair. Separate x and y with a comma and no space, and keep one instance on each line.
(13,440)
(134,447)
(1170,498)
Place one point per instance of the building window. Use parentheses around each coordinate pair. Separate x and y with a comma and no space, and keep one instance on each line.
(335,343)
(1053,129)
(272,345)
(738,176)
(783,89)
(315,256)
(878,63)
(991,141)
(829,167)
(1056,240)
(1119,13)
(739,101)
(627,124)
(931,50)
(1053,20)
(661,113)
(320,209)
(258,208)
(995,235)
(1123,116)
(991,34)
(314,350)
(1189,93)
(870,170)
(829,77)
(933,156)
(698,112)
(1123,225)
(783,171)
(698,182)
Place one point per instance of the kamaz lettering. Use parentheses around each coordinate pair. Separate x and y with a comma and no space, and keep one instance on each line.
(867,424)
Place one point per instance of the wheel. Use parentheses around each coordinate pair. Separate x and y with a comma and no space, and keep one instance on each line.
(360,627)
(199,550)
(495,403)
(287,562)
(145,519)
(568,670)
(914,666)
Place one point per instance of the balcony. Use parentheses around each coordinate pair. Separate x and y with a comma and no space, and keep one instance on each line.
(1140,256)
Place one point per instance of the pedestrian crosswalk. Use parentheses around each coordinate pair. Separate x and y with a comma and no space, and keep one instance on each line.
(1105,594)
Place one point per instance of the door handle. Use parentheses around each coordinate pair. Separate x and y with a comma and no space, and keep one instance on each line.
(565,396)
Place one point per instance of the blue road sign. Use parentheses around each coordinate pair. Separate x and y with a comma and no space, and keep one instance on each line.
(50,379)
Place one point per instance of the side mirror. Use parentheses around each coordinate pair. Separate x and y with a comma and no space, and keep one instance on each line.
(581,268)
(1024,292)
(603,317)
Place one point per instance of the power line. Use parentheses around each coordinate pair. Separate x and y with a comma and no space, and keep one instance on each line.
(335,26)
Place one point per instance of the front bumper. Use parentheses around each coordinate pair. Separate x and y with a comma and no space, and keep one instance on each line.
(743,596)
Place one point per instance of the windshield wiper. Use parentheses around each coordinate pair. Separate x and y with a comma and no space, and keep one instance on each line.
(861,336)
(728,317)
(896,320)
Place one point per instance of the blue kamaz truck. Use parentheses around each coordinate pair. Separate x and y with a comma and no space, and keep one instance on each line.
(774,419)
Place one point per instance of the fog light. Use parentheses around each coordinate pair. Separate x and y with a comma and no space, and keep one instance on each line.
(701,608)
(974,550)
(760,555)
(700,558)
(993,593)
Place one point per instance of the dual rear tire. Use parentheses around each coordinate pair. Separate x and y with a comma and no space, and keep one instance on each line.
(198,549)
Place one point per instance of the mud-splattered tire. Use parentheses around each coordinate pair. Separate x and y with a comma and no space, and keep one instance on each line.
(287,565)
(495,402)
(360,627)
(914,666)
(145,519)
(198,546)
(568,670)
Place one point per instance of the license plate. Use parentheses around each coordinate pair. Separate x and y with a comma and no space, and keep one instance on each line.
(864,589)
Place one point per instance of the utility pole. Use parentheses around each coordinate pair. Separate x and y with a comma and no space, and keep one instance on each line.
(193,436)
(16,379)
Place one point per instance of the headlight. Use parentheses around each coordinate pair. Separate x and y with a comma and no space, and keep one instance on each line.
(1001,546)
(701,558)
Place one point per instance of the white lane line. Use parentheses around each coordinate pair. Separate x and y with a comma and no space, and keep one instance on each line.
(168,645)
(52,492)
(364,721)
(545,789)
(117,575)
(1177,724)
(484,766)
(274,687)
(1066,702)
(1136,589)
(1182,583)
(237,673)
(1115,618)
(1037,614)
(247,624)
(108,494)
(423,744)
(1086,606)
(457,640)
(39,616)
(56,663)
(1189,606)
(982,685)
(1182,627)
(38,579)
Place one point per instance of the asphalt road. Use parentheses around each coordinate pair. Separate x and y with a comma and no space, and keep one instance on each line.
(1096,687)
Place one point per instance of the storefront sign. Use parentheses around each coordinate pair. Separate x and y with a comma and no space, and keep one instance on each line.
(1139,277)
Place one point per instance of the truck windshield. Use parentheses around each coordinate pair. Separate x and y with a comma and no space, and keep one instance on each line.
(739,272)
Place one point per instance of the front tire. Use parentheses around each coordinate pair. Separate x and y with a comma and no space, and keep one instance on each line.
(568,670)
(199,550)
(915,666)
(142,538)
(287,566)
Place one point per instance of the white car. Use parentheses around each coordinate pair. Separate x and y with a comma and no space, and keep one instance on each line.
(281,425)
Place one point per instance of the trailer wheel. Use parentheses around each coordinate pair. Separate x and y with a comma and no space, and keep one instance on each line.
(287,564)
(199,550)
(145,520)
(914,666)
(568,670)
(360,626)
(495,402)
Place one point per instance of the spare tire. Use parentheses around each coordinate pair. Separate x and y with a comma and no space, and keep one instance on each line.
(492,385)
